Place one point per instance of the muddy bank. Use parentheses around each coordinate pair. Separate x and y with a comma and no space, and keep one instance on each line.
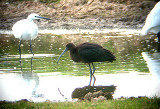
(77,14)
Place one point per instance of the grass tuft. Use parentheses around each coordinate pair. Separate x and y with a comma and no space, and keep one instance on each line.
(129,103)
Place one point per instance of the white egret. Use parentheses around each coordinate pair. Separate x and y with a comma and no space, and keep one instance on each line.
(152,23)
(26,29)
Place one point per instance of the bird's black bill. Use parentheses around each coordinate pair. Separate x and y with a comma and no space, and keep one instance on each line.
(62,54)
(43,18)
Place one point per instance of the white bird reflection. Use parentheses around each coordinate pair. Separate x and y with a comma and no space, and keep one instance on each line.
(15,86)
(32,79)
(32,82)
(153,63)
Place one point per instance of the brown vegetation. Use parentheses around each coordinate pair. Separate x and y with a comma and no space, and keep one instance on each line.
(79,13)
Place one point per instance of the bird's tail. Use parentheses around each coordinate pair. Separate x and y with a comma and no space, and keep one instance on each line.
(110,56)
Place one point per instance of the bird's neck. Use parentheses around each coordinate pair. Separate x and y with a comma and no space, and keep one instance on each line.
(74,56)
(73,51)
(29,19)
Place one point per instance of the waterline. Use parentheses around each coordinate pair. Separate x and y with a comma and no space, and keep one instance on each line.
(81,31)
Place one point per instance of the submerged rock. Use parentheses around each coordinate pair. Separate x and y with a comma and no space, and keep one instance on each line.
(94,92)
(98,96)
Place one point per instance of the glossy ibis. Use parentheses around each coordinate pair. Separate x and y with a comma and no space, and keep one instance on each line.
(88,53)
(26,29)
(152,23)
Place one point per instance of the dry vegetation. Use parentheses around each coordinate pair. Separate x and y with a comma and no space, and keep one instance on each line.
(78,13)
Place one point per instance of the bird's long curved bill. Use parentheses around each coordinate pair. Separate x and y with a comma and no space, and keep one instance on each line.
(44,18)
(62,54)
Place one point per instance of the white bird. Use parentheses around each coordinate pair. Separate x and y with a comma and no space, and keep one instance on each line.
(152,23)
(26,29)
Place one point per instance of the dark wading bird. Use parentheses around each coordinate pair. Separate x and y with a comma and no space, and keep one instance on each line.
(26,29)
(88,53)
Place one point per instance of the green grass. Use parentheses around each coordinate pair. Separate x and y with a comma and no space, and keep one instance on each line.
(130,103)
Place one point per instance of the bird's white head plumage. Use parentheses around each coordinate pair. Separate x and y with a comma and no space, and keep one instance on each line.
(33,16)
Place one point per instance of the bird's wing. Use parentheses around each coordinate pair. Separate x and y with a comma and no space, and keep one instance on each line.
(25,29)
(18,29)
(94,54)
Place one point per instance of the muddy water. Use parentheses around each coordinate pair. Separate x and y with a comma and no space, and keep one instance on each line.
(134,73)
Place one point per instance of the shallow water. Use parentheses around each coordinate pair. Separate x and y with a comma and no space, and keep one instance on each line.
(134,73)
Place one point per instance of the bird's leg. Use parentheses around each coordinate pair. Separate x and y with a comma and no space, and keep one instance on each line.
(31,64)
(31,47)
(158,36)
(20,50)
(20,61)
(32,53)
(93,74)
(90,74)
(20,54)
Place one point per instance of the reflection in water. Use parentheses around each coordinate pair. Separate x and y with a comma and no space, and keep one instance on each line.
(32,81)
(21,64)
(19,86)
(24,87)
(15,87)
(153,62)
(129,73)
(30,77)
